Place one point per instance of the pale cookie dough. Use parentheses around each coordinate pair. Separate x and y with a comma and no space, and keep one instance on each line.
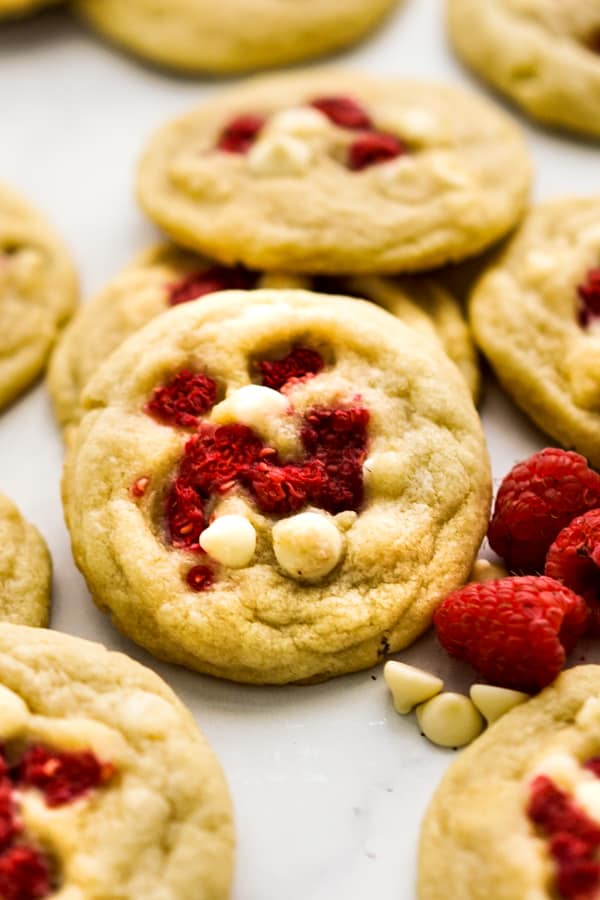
(459,179)
(544,54)
(38,291)
(525,314)
(25,569)
(146,287)
(477,841)
(232,35)
(157,824)
(420,459)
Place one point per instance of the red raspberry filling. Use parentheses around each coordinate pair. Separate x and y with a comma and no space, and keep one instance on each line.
(373,148)
(343,111)
(239,134)
(574,839)
(62,777)
(24,874)
(574,560)
(589,296)
(299,364)
(200,578)
(217,278)
(183,400)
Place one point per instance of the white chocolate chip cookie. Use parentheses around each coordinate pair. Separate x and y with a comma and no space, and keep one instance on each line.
(371,190)
(367,501)
(25,569)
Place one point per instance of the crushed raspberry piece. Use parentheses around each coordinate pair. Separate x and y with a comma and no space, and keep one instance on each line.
(589,298)
(515,632)
(574,839)
(9,826)
(593,765)
(24,874)
(200,578)
(183,399)
(574,558)
(239,135)
(536,500)
(299,364)
(343,111)
(139,487)
(373,148)
(217,278)
(62,777)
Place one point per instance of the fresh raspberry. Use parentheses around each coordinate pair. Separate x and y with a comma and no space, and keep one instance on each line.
(24,874)
(209,281)
(373,148)
(343,111)
(183,399)
(299,364)
(62,777)
(574,560)
(589,298)
(516,632)
(537,499)
(239,134)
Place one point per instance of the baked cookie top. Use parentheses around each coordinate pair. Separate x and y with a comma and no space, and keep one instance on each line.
(535,315)
(108,787)
(38,291)
(233,35)
(25,569)
(335,172)
(276,488)
(520,808)
(544,54)
(165,276)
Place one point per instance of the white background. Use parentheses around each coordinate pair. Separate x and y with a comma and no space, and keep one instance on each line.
(329,784)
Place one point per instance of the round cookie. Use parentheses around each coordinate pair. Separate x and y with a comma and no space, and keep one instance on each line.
(165,276)
(543,54)
(112,791)
(338,450)
(233,35)
(511,808)
(38,290)
(335,172)
(535,316)
(25,569)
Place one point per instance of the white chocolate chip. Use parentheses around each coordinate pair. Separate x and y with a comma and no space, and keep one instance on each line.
(307,546)
(385,472)
(409,685)
(538,264)
(562,768)
(279,154)
(483,570)
(450,172)
(450,720)
(13,714)
(587,795)
(231,540)
(300,122)
(413,123)
(494,702)
(252,405)
(589,714)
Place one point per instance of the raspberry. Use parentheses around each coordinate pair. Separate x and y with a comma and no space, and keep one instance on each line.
(299,364)
(515,632)
(24,874)
(343,111)
(200,578)
(573,559)
(537,499)
(373,148)
(589,298)
(8,821)
(239,134)
(217,278)
(183,399)
(62,777)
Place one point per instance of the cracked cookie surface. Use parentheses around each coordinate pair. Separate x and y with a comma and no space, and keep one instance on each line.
(25,569)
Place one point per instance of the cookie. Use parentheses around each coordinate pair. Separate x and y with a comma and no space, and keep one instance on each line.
(518,813)
(535,316)
(25,569)
(108,787)
(543,54)
(234,35)
(276,487)
(166,276)
(38,290)
(334,172)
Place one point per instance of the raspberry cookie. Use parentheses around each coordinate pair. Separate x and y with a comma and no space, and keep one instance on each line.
(37,293)
(518,814)
(166,276)
(107,787)
(334,172)
(544,54)
(535,313)
(25,569)
(233,35)
(276,489)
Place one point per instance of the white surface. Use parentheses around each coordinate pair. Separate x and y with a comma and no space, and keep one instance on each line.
(329,783)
